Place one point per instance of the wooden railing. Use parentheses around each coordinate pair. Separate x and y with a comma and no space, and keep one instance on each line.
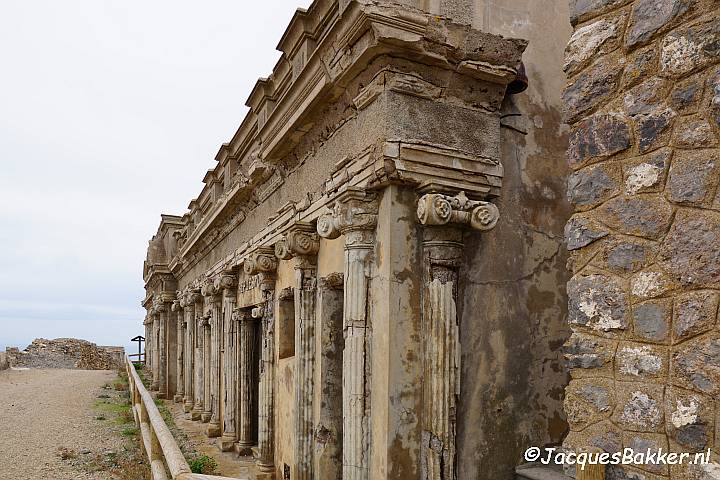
(160,445)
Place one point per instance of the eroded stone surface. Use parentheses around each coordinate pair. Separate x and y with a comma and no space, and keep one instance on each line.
(591,87)
(685,253)
(645,216)
(651,16)
(598,302)
(599,136)
(694,313)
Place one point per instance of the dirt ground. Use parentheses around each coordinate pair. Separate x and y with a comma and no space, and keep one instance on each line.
(44,413)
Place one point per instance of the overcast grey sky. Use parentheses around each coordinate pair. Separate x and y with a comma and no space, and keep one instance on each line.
(110,113)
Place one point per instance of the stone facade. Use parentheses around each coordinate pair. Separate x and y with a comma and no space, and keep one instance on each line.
(365,331)
(643,102)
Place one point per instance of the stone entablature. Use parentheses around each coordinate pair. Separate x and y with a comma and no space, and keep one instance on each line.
(280,105)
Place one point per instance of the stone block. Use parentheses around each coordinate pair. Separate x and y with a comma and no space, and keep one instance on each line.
(598,137)
(685,96)
(644,216)
(593,185)
(689,252)
(650,283)
(589,401)
(642,442)
(591,40)
(592,87)
(696,365)
(640,407)
(624,255)
(587,355)
(693,133)
(689,419)
(603,435)
(645,97)
(647,174)
(652,320)
(653,128)
(693,176)
(640,65)
(581,10)
(694,313)
(638,362)
(649,17)
(598,303)
(714,86)
(581,231)
(689,48)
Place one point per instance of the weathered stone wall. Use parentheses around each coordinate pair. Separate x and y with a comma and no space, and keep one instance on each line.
(644,105)
(514,308)
(4,364)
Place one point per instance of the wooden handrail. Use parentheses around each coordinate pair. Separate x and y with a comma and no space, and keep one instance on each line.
(160,445)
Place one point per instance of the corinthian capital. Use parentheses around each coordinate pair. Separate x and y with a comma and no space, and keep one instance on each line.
(301,240)
(438,209)
(261,260)
(354,209)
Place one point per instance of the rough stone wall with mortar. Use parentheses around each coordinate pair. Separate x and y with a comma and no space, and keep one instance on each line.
(643,103)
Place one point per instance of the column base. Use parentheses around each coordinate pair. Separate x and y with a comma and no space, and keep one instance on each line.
(226,443)
(187,407)
(265,476)
(196,415)
(243,449)
(178,398)
(162,394)
(205,417)
(213,430)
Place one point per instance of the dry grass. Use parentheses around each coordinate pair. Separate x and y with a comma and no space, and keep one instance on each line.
(67,453)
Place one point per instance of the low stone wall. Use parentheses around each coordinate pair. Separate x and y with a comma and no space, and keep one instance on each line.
(67,353)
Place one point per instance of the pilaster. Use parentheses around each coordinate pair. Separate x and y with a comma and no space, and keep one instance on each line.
(355,216)
(302,243)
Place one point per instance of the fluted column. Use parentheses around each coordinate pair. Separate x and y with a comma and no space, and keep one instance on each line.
(162,349)
(355,217)
(302,243)
(189,300)
(262,262)
(155,350)
(442,257)
(214,296)
(227,283)
(180,357)
(207,368)
(246,345)
(199,386)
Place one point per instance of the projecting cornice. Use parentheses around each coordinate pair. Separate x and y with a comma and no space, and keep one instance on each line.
(325,50)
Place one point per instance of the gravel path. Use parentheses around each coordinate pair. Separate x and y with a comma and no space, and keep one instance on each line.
(42,411)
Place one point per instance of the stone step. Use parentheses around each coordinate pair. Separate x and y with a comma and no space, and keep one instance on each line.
(532,471)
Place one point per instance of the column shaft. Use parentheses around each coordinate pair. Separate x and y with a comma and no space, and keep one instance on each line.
(359,246)
(266,417)
(155,352)
(180,368)
(199,388)
(162,349)
(207,371)
(216,339)
(246,346)
(189,312)
(442,252)
(230,372)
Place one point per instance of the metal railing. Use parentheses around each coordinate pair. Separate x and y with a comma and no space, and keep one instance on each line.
(160,445)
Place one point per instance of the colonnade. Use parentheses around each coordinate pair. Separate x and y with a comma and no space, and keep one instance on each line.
(222,354)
